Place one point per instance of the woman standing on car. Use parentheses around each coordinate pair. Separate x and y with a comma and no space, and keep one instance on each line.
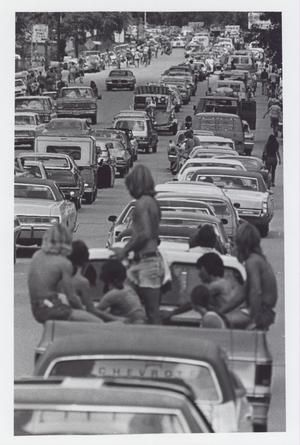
(270,156)
(261,286)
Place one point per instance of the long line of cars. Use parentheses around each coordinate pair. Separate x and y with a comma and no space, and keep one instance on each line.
(173,377)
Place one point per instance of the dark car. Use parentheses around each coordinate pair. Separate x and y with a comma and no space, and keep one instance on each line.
(77,101)
(105,406)
(120,79)
(63,170)
(119,151)
(42,105)
(68,126)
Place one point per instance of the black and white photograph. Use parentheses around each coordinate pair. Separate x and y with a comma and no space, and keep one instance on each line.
(150,208)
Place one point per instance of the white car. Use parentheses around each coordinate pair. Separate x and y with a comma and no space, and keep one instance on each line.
(195,163)
(178,43)
(27,126)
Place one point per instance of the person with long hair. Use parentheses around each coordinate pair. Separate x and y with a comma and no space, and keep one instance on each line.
(50,275)
(261,286)
(147,272)
(271,155)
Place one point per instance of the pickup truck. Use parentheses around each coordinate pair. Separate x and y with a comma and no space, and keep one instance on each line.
(247,351)
(77,101)
(82,150)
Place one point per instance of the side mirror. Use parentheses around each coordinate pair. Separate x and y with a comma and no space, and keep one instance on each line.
(237,205)
(112,218)
(224,221)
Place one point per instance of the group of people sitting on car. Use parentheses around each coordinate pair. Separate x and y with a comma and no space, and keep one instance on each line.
(59,290)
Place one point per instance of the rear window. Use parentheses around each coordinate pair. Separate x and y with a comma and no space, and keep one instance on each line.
(200,377)
(25,120)
(33,192)
(63,177)
(73,151)
(134,125)
(77,93)
(230,182)
(119,73)
(32,104)
(61,124)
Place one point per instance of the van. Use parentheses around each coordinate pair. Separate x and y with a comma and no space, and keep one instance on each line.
(141,126)
(222,124)
(82,150)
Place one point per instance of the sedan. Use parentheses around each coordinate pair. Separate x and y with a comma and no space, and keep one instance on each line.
(247,192)
(38,205)
(207,162)
(120,79)
(105,406)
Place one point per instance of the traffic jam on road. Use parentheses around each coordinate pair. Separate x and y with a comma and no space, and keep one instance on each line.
(186,105)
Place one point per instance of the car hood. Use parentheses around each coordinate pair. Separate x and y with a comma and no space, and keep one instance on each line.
(38,207)
(246,198)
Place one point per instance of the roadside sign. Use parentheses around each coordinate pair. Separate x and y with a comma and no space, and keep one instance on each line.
(39,33)
(89,44)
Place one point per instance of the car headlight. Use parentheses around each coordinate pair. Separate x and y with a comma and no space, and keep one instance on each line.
(54,220)
(86,184)
(265,207)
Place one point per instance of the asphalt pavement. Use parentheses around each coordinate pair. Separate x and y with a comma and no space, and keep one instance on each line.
(94,226)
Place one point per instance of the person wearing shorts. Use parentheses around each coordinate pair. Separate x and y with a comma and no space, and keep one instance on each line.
(147,272)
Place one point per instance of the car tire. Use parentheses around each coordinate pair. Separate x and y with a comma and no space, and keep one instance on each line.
(154,148)
(108,88)
(89,198)
(94,119)
(258,428)
(264,230)
(174,129)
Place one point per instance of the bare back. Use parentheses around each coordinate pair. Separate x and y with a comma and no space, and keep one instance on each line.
(145,224)
(45,273)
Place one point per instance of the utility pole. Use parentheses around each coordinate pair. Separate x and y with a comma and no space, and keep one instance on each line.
(145,19)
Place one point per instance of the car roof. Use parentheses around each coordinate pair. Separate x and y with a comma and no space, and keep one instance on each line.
(41,155)
(235,116)
(221,97)
(107,391)
(212,137)
(233,172)
(214,161)
(77,87)
(35,181)
(72,119)
(206,189)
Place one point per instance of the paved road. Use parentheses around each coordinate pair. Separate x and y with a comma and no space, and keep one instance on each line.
(94,226)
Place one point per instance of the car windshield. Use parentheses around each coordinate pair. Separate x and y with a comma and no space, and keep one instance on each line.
(50,162)
(77,93)
(73,151)
(134,125)
(32,104)
(119,73)
(100,420)
(32,191)
(25,120)
(251,164)
(230,182)
(61,124)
